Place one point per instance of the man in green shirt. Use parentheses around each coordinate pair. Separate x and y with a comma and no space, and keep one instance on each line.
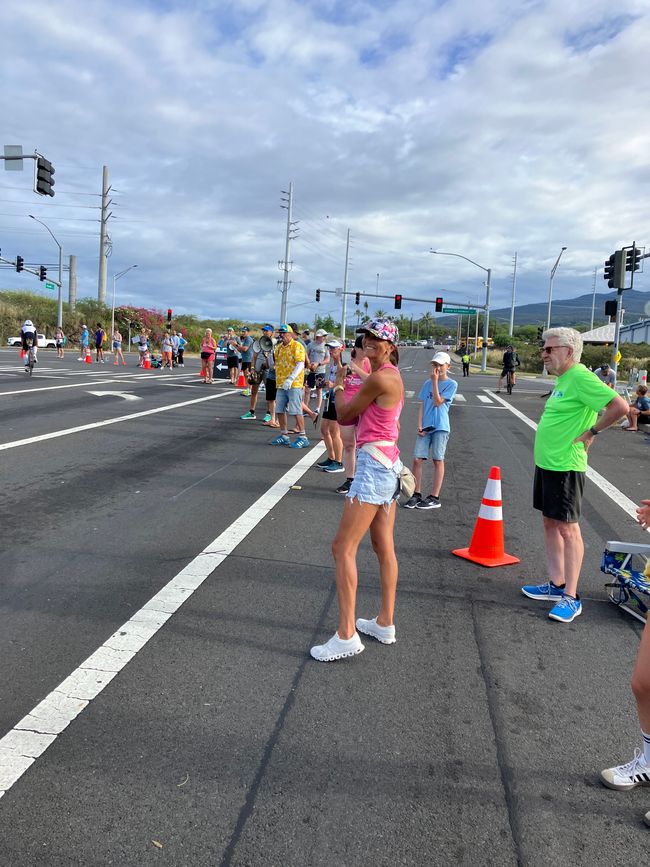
(565,432)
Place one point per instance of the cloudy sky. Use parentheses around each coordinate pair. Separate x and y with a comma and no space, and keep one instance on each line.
(482,128)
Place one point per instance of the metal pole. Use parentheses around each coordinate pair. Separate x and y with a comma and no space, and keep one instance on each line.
(287,247)
(550,289)
(344,305)
(593,300)
(113,311)
(512,304)
(486,321)
(59,307)
(476,337)
(619,316)
(101,283)
(72,284)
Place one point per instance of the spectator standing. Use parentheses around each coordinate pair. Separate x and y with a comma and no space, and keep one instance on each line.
(232,355)
(637,771)
(100,337)
(510,364)
(330,430)
(290,359)
(182,343)
(370,502)
(639,410)
(263,362)
(143,346)
(356,374)
(564,435)
(117,347)
(59,339)
(167,349)
(245,347)
(84,343)
(208,349)
(175,346)
(436,396)
(606,374)
(465,358)
(318,358)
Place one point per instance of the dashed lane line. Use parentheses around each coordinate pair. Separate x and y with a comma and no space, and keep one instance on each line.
(36,731)
(97,424)
(618,497)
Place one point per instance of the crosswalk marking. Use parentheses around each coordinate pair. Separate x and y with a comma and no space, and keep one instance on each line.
(460,398)
(484,398)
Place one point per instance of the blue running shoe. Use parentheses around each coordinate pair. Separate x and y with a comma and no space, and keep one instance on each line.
(566,610)
(546,591)
(282,440)
(300,443)
(267,417)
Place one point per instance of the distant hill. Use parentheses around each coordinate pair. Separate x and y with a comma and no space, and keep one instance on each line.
(570,311)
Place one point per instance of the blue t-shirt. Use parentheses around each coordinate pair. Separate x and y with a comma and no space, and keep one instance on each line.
(437,416)
(642,404)
(248,342)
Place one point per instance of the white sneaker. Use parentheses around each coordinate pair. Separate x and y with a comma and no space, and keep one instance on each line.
(646,818)
(337,648)
(385,634)
(628,776)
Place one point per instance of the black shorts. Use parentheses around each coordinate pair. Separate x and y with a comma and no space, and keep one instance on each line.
(329,408)
(315,380)
(271,389)
(246,365)
(232,361)
(558,495)
(507,370)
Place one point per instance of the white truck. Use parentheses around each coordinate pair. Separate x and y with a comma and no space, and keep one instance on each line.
(43,342)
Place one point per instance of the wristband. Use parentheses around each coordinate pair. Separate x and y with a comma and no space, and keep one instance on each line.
(593,431)
(338,388)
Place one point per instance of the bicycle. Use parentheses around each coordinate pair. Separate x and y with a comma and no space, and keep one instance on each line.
(31,360)
(510,381)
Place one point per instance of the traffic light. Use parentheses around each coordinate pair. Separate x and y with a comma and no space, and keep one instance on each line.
(44,180)
(610,308)
(608,271)
(614,271)
(632,259)
(357,298)
(42,273)
(169,314)
(540,331)
(398,302)
(318,294)
(438,305)
(20,263)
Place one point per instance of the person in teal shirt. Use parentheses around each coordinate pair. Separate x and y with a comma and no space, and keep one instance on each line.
(565,433)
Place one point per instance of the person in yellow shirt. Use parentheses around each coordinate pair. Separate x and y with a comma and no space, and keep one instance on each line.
(290,359)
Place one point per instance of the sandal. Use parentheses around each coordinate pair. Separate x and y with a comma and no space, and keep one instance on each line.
(271,423)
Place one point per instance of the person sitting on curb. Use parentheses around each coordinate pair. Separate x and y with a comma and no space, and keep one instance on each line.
(639,410)
(606,374)
(436,396)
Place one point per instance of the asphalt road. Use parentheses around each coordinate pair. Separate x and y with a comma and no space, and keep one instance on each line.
(476,739)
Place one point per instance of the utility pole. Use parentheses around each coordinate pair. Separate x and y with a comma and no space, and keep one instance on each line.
(103,237)
(344,305)
(593,300)
(72,284)
(287,264)
(512,304)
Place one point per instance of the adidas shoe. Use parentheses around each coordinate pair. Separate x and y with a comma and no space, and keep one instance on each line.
(337,648)
(384,634)
(334,467)
(300,443)
(281,440)
(628,776)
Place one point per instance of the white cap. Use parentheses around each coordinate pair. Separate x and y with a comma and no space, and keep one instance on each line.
(334,344)
(441,358)
(321,333)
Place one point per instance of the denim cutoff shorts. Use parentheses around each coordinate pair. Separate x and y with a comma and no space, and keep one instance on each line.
(434,441)
(289,400)
(373,483)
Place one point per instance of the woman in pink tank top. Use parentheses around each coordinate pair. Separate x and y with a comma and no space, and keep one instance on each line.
(370,503)
(359,371)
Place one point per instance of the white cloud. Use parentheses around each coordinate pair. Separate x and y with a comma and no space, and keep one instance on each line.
(479,130)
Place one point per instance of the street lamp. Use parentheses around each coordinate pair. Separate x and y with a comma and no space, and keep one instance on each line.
(117,277)
(488,289)
(550,288)
(59,310)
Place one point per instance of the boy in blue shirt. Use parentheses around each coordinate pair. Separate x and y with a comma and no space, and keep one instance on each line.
(436,396)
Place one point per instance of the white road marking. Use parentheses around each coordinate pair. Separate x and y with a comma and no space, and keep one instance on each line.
(135,376)
(460,398)
(604,484)
(484,398)
(408,394)
(34,733)
(124,394)
(97,424)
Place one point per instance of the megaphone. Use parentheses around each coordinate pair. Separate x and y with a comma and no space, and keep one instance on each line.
(267,343)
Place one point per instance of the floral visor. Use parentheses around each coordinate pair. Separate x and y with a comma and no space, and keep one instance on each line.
(383,329)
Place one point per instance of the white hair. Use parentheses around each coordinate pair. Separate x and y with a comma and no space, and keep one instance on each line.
(566,337)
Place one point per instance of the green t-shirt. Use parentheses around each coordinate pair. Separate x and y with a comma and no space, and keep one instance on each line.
(570,410)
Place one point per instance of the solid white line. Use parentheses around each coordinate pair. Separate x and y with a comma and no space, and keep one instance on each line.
(30,737)
(135,376)
(604,484)
(72,430)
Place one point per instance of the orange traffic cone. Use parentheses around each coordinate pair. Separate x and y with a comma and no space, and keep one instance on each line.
(241,382)
(486,547)
(88,359)
(147,363)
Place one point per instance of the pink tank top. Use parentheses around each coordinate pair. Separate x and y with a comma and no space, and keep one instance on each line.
(377,423)
(354,382)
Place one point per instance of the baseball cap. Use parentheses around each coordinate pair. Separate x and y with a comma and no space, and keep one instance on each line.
(244,328)
(268,327)
(334,344)
(441,358)
(230,328)
(321,333)
(383,329)
(284,328)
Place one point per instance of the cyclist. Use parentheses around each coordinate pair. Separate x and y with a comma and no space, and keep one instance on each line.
(510,364)
(29,337)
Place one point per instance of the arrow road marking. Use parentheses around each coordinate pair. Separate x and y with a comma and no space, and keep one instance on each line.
(125,394)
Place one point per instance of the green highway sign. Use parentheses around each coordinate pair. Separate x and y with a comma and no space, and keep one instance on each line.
(462,310)
(50,285)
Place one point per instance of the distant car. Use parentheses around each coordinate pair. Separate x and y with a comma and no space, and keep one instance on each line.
(43,342)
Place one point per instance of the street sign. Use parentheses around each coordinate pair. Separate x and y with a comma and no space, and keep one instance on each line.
(50,285)
(462,310)
(618,356)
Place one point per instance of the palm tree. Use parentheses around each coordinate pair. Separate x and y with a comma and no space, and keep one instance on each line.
(358,313)
(426,323)
(381,314)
